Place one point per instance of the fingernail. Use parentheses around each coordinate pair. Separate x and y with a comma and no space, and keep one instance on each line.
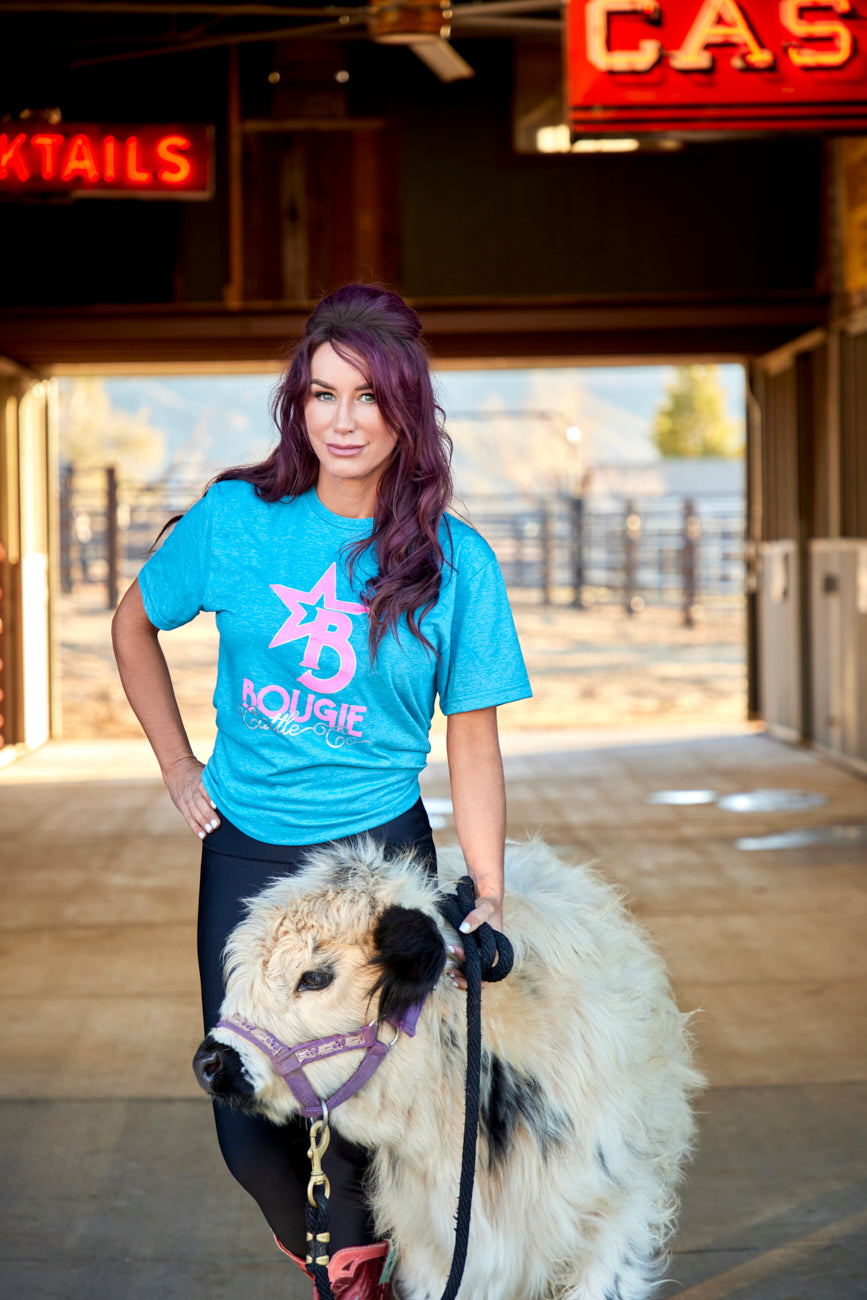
(201,835)
(465,927)
(452,949)
(212,826)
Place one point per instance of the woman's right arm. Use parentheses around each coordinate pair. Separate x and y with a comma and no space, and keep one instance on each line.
(144,674)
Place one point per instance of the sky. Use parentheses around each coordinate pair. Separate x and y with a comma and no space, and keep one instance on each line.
(509,426)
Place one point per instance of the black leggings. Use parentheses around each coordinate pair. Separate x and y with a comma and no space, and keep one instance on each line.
(271,1162)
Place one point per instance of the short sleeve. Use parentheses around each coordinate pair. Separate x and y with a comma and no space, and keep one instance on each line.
(485,666)
(174,581)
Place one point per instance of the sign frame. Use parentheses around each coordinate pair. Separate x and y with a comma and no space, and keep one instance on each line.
(722,66)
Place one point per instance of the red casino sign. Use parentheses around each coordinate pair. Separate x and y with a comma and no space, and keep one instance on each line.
(716,65)
(106,161)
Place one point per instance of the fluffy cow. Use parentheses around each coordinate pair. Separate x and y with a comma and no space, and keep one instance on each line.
(585,1118)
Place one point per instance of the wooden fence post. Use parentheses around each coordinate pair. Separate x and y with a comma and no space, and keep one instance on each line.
(689,561)
(67,528)
(547,553)
(631,537)
(576,516)
(111,535)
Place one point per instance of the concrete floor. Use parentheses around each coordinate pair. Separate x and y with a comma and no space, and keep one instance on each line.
(112,1187)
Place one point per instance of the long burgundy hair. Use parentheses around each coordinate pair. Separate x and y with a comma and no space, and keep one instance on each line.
(367,324)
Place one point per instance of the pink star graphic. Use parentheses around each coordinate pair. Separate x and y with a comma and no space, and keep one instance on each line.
(326,590)
(330,627)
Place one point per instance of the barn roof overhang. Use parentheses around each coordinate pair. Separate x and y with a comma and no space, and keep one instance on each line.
(737,327)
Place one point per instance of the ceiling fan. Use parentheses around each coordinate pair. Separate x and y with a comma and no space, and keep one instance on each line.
(423,25)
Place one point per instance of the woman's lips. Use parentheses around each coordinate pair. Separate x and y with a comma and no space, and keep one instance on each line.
(338,450)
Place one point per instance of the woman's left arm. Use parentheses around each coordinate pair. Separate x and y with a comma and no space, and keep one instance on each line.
(479,802)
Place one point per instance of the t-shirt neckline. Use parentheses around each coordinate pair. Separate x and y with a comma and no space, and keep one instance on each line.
(345,524)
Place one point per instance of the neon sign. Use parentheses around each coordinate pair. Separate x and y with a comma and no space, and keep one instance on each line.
(700,65)
(83,160)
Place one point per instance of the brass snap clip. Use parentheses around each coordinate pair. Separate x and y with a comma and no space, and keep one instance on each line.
(320,1136)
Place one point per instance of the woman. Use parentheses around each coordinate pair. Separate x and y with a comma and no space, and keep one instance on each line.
(346,601)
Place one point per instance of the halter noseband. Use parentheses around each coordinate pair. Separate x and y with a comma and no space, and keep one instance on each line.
(289,1062)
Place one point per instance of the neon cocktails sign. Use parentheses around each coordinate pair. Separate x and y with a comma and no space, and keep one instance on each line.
(699,65)
(84,159)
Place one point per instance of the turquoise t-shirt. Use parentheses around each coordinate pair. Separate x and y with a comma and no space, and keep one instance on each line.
(314,741)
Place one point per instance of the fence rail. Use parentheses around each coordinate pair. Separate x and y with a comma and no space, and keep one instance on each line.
(682,553)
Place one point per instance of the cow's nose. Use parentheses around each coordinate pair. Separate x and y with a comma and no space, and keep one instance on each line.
(210,1063)
(220,1071)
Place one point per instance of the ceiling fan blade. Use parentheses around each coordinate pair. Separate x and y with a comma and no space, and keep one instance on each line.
(442,59)
(481,25)
(504,7)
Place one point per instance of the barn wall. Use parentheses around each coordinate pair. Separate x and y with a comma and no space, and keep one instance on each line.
(450,208)
(810,530)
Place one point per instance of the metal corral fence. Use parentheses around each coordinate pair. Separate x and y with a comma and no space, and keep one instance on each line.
(672,551)
(677,552)
(109,524)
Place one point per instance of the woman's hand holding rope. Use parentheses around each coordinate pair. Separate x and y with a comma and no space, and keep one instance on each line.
(486,911)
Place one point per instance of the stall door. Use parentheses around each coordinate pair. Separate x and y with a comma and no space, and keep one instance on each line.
(787,503)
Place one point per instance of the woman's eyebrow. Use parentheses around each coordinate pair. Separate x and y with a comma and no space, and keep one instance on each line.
(320,383)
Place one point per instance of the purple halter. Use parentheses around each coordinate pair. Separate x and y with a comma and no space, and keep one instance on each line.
(289,1062)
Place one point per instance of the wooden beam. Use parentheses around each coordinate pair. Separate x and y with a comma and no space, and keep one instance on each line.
(532,329)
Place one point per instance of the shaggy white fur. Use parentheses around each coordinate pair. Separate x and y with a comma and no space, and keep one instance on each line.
(585,1117)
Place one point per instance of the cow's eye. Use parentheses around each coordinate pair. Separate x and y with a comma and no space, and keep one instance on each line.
(312,980)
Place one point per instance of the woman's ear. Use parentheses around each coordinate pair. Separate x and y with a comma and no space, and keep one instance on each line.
(410,953)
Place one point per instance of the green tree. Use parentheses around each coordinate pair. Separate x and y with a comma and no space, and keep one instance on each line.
(692,421)
(93,433)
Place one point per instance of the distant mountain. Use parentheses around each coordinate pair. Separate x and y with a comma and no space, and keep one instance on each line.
(508,426)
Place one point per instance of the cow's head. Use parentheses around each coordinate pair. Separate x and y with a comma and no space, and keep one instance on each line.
(348,941)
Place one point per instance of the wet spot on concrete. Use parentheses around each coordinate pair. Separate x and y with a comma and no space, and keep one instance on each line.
(682,797)
(772,800)
(809,837)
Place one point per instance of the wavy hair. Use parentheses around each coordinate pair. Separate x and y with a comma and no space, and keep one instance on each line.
(374,329)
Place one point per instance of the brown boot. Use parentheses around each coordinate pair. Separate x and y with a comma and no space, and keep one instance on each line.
(362,1272)
(357,1272)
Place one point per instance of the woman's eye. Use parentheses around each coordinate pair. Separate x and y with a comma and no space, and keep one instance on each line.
(313,980)
(323,396)
(366,397)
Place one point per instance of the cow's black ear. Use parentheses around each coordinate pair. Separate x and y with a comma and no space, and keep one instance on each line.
(410,954)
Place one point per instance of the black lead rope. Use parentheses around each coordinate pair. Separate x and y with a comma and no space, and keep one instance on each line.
(482,948)
(318,1220)
(318,1208)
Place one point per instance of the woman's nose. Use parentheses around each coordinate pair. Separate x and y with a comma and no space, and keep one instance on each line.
(343,420)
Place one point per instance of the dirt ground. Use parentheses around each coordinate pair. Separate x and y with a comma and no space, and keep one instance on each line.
(588,668)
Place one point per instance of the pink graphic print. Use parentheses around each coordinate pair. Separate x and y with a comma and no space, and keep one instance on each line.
(329,627)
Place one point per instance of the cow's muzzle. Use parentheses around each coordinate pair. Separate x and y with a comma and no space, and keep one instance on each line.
(220,1071)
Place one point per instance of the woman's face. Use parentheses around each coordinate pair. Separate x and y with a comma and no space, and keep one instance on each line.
(347,432)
